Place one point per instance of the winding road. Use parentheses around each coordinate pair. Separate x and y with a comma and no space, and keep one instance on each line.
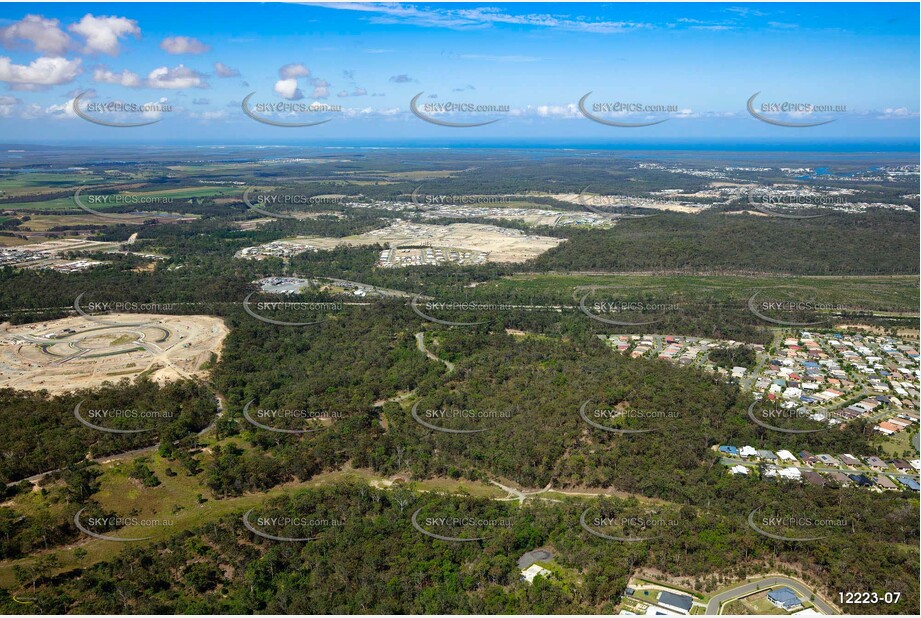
(717,601)
(420,343)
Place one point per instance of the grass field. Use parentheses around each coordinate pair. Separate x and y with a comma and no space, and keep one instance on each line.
(894,293)
(67,203)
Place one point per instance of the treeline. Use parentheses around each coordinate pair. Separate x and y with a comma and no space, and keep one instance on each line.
(366,557)
(41,432)
(872,243)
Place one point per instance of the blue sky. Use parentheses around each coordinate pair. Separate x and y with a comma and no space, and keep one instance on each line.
(701,61)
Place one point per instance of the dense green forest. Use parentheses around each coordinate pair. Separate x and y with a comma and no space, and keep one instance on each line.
(866,244)
(41,432)
(512,394)
(374,561)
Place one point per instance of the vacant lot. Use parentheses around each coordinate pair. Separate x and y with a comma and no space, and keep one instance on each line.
(80,352)
(500,244)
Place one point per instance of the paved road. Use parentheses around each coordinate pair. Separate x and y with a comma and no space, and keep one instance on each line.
(713,607)
(731,461)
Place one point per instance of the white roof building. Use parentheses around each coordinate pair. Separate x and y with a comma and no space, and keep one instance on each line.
(786,455)
(739,470)
(533,571)
(748,451)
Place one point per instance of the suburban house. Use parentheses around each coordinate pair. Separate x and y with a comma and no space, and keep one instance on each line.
(884,482)
(876,463)
(784,598)
(808,457)
(681,603)
(533,571)
(748,451)
(849,460)
(813,478)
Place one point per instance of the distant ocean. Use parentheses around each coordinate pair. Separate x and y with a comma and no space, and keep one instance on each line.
(802,145)
(831,146)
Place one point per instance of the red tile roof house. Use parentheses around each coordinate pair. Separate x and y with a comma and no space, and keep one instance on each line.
(808,457)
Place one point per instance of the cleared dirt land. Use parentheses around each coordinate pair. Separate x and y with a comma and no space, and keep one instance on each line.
(498,243)
(80,352)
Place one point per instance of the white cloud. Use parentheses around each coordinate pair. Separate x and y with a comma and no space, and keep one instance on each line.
(126,78)
(39,74)
(479,17)
(62,111)
(210,115)
(183,45)
(287,89)
(570,110)
(104,33)
(293,71)
(222,70)
(6,105)
(320,88)
(45,35)
(178,77)
(358,92)
(897,113)
(500,58)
